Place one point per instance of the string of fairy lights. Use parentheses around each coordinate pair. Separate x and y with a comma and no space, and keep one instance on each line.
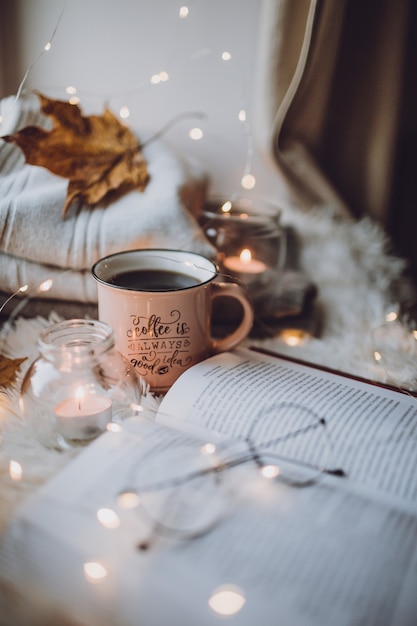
(195,133)
(228,599)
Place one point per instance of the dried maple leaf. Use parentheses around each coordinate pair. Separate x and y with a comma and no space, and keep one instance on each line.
(8,370)
(101,156)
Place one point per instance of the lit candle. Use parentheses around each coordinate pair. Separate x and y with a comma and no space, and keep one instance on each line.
(83,417)
(244,263)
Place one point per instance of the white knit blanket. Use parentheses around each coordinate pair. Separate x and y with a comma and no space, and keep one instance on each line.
(349,263)
(36,244)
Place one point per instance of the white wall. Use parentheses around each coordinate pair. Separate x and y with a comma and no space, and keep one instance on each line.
(109,49)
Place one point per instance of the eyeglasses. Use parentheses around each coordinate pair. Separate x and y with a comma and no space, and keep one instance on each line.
(183,490)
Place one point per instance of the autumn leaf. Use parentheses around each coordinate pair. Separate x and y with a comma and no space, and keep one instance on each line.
(99,155)
(8,370)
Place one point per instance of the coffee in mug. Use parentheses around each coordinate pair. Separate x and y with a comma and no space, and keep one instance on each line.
(159,304)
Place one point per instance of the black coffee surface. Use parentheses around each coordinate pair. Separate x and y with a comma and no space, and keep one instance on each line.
(153,280)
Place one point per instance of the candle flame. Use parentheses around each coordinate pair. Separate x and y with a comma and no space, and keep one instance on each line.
(246,255)
(79,395)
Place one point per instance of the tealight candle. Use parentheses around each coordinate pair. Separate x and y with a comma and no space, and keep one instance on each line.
(244,263)
(83,417)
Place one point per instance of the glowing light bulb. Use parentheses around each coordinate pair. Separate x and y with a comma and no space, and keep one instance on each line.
(226,206)
(184,11)
(23,288)
(294,336)
(377,356)
(248,181)
(114,428)
(270,471)
(391,317)
(124,113)
(226,56)
(71,91)
(15,470)
(108,518)
(227,600)
(46,285)
(48,46)
(208,448)
(242,115)
(292,341)
(94,572)
(195,134)
(74,100)
(160,77)
(128,500)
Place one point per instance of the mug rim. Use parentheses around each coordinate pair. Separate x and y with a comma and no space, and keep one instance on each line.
(213,269)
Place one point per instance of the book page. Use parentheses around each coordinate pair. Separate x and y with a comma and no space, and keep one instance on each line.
(342,550)
(319,556)
(373,430)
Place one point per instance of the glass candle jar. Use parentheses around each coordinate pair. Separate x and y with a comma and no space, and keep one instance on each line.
(78,385)
(248,237)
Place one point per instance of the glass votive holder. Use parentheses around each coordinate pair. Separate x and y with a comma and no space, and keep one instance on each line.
(79,384)
(249,239)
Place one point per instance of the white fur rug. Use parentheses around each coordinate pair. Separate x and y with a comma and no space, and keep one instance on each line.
(359,283)
(354,273)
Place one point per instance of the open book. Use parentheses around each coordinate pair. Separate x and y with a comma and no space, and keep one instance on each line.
(330,542)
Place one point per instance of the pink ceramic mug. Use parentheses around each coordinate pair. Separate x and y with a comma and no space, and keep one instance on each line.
(159,304)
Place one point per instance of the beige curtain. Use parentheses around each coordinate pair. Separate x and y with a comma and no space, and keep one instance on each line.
(330,79)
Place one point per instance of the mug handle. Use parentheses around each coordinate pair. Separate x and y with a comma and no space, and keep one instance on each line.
(233,290)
